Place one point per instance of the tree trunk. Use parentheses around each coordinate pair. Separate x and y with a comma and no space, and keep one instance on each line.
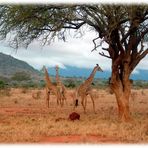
(123,106)
(122,92)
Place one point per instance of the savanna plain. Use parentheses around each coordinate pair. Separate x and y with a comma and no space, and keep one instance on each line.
(24,118)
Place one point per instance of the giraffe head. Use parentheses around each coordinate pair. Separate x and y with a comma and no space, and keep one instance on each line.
(57,67)
(98,68)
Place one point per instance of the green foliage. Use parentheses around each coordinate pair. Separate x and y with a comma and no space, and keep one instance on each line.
(4,89)
(21,76)
(76,82)
(70,83)
(41,84)
(2,84)
(139,84)
(29,22)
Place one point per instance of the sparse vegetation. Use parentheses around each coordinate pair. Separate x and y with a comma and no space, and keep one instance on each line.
(21,76)
(70,83)
(140,84)
(26,120)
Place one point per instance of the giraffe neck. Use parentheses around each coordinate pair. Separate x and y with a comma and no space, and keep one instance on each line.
(57,77)
(90,78)
(47,79)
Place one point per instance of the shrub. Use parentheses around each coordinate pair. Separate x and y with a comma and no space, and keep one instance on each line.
(70,83)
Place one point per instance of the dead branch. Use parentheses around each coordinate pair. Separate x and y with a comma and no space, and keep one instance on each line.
(96,46)
(106,49)
(104,55)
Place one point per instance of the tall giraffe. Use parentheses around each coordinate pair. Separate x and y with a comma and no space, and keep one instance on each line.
(61,90)
(49,87)
(85,89)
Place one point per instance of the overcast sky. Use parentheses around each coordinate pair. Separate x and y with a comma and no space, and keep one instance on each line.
(74,52)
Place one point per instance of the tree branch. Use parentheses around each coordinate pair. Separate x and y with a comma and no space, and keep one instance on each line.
(127,34)
(75,26)
(102,54)
(106,49)
(138,58)
(95,46)
(141,36)
(143,54)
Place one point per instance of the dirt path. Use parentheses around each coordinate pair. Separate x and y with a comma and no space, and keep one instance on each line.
(79,139)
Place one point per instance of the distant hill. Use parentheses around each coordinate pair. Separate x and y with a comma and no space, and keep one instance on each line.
(71,71)
(83,72)
(10,65)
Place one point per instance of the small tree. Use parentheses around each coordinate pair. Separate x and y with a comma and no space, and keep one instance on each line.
(122,27)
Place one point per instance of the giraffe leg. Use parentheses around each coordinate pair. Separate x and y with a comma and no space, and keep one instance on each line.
(74,105)
(59,96)
(83,99)
(85,102)
(74,98)
(47,97)
(58,99)
(64,98)
(61,99)
(92,99)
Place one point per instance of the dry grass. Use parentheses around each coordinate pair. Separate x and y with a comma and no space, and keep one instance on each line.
(24,119)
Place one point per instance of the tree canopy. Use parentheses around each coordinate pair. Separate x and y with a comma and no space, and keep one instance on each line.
(33,21)
(117,25)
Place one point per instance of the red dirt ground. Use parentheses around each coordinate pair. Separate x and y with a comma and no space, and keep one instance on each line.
(89,138)
(23,106)
(79,139)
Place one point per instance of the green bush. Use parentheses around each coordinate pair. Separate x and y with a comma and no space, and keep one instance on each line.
(2,84)
(70,83)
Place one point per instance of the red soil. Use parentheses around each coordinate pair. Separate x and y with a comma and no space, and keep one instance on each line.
(20,110)
(79,139)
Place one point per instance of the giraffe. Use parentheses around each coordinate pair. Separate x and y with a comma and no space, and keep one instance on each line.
(85,89)
(61,90)
(49,87)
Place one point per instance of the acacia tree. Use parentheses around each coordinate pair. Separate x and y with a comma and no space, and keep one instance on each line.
(122,27)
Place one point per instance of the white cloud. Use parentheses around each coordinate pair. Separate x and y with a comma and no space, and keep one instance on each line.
(75,52)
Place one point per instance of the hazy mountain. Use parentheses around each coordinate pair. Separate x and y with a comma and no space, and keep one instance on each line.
(83,72)
(10,65)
